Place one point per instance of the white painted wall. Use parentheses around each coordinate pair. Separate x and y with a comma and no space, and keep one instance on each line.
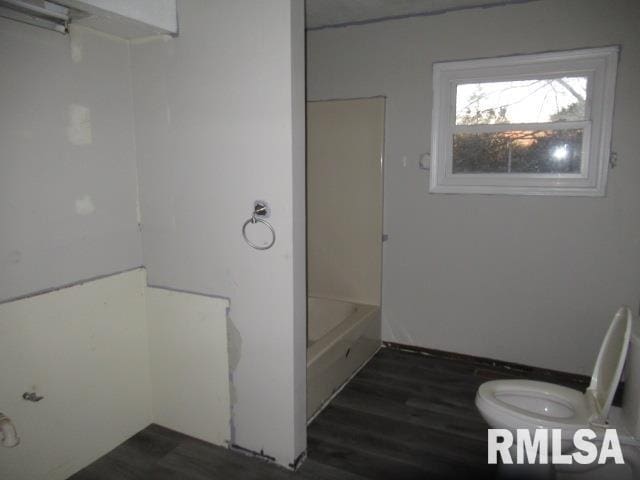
(189,363)
(219,116)
(84,349)
(524,279)
(67,170)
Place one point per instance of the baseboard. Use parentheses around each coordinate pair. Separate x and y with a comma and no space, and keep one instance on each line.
(553,376)
(510,367)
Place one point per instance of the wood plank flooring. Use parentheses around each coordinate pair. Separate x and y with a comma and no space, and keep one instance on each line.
(405,416)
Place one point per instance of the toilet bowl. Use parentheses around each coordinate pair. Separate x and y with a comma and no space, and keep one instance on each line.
(525,404)
(514,404)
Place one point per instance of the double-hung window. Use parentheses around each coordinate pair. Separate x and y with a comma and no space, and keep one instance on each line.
(526,125)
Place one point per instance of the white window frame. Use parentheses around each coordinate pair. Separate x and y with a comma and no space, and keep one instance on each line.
(598,64)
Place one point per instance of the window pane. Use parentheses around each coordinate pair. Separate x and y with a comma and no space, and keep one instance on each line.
(522,101)
(544,151)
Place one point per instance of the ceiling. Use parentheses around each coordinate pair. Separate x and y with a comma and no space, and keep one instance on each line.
(332,13)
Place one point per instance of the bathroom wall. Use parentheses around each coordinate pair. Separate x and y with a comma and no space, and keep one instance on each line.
(68,195)
(219,115)
(68,184)
(84,349)
(523,279)
(71,327)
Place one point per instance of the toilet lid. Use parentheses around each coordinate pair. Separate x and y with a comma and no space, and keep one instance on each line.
(608,368)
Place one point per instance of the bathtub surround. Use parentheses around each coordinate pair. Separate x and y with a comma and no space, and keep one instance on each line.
(219,118)
(344,222)
(344,191)
(109,357)
(520,279)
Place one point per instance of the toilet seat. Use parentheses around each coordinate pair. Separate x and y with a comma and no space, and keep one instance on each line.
(530,404)
(522,404)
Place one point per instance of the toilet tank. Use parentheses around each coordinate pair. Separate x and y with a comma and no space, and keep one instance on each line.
(631,396)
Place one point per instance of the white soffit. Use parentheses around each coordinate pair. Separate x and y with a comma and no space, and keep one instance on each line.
(335,13)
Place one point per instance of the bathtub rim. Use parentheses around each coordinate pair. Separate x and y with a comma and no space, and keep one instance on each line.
(326,342)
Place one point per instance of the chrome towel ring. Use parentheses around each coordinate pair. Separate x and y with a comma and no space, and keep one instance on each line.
(260,209)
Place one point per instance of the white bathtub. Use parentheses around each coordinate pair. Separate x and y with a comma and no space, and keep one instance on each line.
(342,336)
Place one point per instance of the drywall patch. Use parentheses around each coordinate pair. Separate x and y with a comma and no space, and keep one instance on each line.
(85,206)
(234,345)
(75,44)
(138,210)
(79,127)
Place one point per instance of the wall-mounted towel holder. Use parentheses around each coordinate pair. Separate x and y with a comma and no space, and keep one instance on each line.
(261,211)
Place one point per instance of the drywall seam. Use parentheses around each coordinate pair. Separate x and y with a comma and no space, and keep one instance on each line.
(430,13)
(178,290)
(68,285)
(135,151)
(340,99)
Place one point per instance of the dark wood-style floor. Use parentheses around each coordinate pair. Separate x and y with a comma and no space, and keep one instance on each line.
(404,416)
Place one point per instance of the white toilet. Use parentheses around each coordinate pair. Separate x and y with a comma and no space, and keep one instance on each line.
(524,404)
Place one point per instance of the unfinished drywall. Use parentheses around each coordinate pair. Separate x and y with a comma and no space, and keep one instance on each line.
(189,363)
(84,349)
(219,116)
(524,279)
(68,174)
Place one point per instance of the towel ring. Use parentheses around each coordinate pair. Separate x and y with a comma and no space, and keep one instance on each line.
(254,220)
